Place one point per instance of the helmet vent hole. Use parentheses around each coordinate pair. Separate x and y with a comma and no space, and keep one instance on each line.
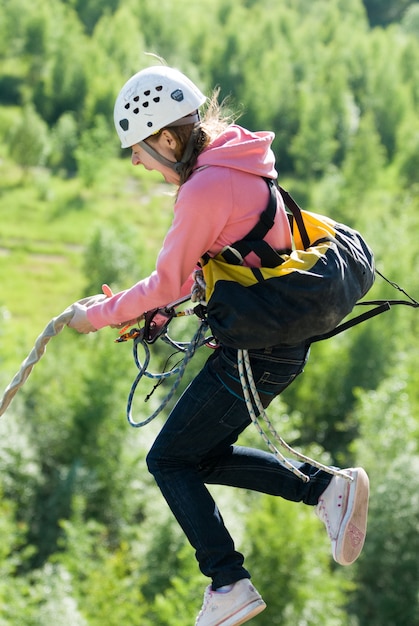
(159,88)
(127,105)
(145,104)
(147,93)
(137,110)
(157,99)
(136,98)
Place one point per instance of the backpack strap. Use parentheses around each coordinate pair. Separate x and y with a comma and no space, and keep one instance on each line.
(291,204)
(254,240)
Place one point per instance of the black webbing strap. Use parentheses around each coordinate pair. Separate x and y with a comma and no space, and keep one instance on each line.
(266,218)
(291,204)
(381,308)
(254,240)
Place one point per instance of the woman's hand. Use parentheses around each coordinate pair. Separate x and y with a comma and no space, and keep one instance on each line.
(80,321)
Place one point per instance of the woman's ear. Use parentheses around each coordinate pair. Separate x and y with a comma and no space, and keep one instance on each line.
(168,139)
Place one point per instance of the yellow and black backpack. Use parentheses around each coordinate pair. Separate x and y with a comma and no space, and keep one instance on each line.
(296,295)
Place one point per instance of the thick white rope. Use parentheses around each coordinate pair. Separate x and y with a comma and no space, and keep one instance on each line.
(54,327)
(247,381)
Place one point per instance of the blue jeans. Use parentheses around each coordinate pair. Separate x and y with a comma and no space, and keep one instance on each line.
(196,446)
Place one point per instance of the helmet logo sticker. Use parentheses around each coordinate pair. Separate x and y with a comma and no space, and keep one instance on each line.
(177,95)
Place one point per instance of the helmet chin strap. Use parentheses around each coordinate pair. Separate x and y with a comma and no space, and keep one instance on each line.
(157,156)
(179,165)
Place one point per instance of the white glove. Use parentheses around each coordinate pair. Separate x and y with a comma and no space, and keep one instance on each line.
(79,321)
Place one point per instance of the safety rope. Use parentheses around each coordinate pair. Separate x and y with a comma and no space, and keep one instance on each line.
(248,383)
(54,327)
(189,350)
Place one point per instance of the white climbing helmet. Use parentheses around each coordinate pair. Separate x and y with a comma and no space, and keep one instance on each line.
(153,99)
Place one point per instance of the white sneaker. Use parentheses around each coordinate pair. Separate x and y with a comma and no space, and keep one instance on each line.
(343,507)
(232,608)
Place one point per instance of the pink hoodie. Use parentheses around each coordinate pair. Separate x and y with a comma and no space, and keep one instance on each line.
(219,204)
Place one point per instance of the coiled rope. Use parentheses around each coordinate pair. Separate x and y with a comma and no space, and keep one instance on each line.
(248,383)
(54,327)
(198,340)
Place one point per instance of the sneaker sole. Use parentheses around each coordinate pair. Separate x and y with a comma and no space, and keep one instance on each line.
(352,531)
(246,613)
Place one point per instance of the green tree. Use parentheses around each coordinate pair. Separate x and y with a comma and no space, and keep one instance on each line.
(29,141)
(62,83)
(364,161)
(389,449)
(290,563)
(410,21)
(96,143)
(90,11)
(110,258)
(104,578)
(64,141)
(14,554)
(384,92)
(408,152)
(383,12)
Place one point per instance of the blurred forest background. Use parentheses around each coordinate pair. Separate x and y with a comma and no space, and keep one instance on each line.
(86,539)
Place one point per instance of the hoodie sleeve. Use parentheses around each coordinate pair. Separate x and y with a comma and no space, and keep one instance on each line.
(201,211)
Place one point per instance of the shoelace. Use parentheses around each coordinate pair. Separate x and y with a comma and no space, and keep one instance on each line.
(207,596)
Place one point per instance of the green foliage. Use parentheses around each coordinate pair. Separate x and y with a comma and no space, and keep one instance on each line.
(288,553)
(86,539)
(364,160)
(28,139)
(64,144)
(408,153)
(410,21)
(106,583)
(110,258)
(389,439)
(382,12)
(95,146)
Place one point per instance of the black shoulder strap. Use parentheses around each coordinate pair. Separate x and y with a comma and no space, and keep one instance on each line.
(254,240)
(291,204)
(267,217)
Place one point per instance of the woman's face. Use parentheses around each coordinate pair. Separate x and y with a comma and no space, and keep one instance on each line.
(165,145)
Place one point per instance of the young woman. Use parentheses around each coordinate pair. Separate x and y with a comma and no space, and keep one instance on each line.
(219,169)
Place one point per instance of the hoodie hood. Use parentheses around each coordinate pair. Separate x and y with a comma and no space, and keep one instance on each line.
(241,149)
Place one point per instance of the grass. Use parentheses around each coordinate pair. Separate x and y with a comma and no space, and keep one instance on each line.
(46,223)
